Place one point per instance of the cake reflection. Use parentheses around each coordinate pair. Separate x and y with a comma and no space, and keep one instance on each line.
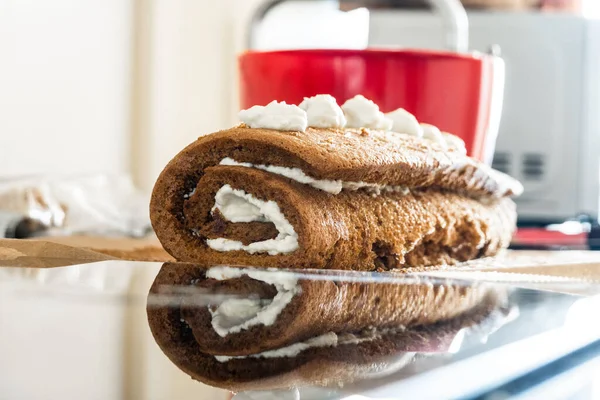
(259,329)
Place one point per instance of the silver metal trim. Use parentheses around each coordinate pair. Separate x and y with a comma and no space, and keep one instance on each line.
(452,12)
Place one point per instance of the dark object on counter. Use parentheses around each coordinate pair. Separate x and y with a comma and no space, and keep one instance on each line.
(378,4)
(18,226)
(593,239)
(424,4)
(579,233)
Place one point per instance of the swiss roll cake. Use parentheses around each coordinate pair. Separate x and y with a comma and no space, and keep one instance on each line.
(328,187)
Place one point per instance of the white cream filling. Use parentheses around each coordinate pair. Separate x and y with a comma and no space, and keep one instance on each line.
(295,174)
(235,315)
(329,339)
(238,206)
(329,186)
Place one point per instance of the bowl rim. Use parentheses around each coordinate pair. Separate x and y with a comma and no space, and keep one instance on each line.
(372,52)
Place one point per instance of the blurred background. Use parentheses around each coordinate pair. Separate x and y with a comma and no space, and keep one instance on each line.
(96,96)
(120,86)
(115,86)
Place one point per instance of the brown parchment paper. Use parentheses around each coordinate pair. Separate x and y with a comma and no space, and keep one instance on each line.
(568,264)
(43,254)
(571,272)
(73,250)
(130,249)
(574,272)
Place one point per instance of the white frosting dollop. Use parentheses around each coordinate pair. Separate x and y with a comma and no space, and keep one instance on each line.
(278,116)
(238,206)
(235,315)
(323,112)
(434,134)
(405,122)
(454,142)
(363,113)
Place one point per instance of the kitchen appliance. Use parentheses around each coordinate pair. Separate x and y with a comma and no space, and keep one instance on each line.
(458,91)
(549,136)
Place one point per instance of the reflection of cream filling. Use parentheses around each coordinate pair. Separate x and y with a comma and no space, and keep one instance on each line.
(235,315)
(390,366)
(329,186)
(329,339)
(238,206)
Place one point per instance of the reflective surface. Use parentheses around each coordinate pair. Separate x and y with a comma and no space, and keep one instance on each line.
(109,330)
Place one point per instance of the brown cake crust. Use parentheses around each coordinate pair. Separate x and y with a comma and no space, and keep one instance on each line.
(348,155)
(457,208)
(393,230)
(430,314)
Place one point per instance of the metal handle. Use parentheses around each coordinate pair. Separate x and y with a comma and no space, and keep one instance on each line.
(456,24)
(259,14)
(452,12)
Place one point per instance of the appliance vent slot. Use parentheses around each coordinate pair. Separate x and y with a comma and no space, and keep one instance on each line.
(533,166)
(502,162)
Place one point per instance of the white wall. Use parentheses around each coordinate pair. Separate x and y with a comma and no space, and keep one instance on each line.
(187,76)
(114,85)
(64,86)
(118,85)
(188,65)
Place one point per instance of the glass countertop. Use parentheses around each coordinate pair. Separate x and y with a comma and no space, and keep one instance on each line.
(131,330)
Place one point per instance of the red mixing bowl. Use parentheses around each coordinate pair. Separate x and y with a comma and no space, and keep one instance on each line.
(455,92)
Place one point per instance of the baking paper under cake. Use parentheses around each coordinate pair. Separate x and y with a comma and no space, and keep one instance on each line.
(330,198)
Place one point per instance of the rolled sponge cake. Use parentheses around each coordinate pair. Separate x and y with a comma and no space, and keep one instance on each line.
(405,201)
(372,323)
